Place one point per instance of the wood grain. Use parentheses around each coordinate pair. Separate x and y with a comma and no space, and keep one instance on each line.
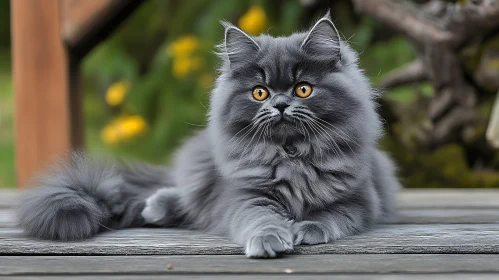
(447,216)
(40,69)
(339,264)
(449,198)
(436,276)
(402,239)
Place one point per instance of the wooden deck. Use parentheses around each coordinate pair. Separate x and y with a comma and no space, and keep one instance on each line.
(446,234)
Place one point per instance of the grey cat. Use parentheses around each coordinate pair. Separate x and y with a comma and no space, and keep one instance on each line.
(289,157)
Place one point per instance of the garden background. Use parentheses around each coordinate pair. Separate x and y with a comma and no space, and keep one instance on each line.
(147,87)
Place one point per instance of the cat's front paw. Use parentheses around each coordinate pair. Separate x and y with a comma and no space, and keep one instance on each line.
(269,242)
(160,207)
(310,233)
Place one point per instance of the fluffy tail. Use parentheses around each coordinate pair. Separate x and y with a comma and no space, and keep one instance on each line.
(82,197)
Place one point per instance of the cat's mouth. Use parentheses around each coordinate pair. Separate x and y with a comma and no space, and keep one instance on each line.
(284,126)
(282,120)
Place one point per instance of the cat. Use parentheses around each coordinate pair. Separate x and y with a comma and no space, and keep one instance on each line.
(288,157)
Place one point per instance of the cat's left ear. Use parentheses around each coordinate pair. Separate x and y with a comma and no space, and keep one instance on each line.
(323,40)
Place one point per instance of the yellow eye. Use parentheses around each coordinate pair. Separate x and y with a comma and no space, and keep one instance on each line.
(303,90)
(260,93)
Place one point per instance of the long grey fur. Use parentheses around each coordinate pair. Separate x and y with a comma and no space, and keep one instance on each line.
(270,174)
(76,199)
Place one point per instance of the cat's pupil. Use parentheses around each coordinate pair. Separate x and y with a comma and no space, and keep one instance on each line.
(303,89)
(260,92)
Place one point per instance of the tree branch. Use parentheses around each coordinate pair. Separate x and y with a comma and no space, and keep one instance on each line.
(440,104)
(444,131)
(405,17)
(436,22)
(465,20)
(410,73)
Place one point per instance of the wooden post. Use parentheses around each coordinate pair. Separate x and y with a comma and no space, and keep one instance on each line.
(41,85)
(49,38)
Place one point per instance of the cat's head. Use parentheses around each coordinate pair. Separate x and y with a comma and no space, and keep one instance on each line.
(303,86)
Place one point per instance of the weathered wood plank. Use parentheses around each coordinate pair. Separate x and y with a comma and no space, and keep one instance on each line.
(413,239)
(7,218)
(436,276)
(447,216)
(450,276)
(474,276)
(338,264)
(449,198)
(9,198)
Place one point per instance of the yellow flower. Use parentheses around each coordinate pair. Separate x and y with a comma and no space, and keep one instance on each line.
(185,59)
(183,66)
(253,21)
(109,135)
(123,128)
(115,94)
(184,46)
(132,126)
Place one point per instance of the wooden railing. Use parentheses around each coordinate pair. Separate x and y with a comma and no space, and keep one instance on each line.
(49,39)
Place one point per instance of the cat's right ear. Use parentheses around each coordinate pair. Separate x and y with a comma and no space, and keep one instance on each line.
(239,46)
(323,40)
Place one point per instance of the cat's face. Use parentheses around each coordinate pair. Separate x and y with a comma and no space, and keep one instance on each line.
(286,88)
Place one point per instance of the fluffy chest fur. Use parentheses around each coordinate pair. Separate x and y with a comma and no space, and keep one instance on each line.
(302,187)
(292,176)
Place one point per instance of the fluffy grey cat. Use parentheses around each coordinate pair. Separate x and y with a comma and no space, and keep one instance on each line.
(289,157)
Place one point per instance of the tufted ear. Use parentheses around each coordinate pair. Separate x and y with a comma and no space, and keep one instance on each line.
(323,40)
(239,46)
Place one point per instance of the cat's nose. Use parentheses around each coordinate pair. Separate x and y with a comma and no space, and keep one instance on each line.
(281,106)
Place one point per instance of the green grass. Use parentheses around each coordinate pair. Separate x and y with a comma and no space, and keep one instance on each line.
(7,169)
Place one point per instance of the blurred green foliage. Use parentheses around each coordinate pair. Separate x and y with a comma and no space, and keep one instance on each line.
(7,174)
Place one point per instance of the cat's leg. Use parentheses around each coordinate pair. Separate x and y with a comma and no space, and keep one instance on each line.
(339,220)
(261,225)
(326,226)
(162,208)
(310,233)
(374,201)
